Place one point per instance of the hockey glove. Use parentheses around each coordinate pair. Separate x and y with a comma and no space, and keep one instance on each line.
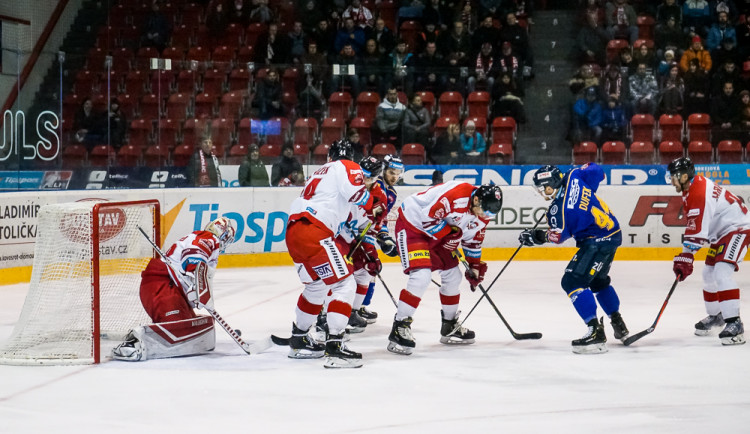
(531,237)
(475,273)
(683,265)
(373,265)
(453,239)
(387,245)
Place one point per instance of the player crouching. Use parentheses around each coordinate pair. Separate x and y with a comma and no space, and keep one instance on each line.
(170,291)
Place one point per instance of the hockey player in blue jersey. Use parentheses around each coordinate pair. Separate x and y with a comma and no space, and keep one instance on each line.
(576,211)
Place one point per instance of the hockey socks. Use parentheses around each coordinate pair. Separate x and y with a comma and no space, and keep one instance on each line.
(583,301)
(608,300)
(368,297)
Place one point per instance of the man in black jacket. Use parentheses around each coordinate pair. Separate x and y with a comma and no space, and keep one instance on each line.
(285,166)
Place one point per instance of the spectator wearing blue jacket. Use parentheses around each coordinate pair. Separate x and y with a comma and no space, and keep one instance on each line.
(719,31)
(613,120)
(587,118)
(350,34)
(472,142)
(696,16)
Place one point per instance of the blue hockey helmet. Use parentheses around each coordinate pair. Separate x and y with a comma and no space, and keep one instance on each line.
(548,176)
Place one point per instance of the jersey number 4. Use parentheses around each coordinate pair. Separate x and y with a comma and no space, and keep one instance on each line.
(309,190)
(602,217)
(732,199)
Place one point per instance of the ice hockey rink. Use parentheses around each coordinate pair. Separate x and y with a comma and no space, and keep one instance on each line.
(668,382)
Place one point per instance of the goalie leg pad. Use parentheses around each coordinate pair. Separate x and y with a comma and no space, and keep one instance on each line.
(173,339)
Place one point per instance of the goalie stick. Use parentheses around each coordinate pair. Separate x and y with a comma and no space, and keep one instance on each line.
(252,347)
(630,339)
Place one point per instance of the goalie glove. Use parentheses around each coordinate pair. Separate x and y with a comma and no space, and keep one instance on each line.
(531,237)
(683,265)
(475,273)
(453,239)
(387,245)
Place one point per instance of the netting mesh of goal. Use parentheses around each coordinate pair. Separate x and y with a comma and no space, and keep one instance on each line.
(56,325)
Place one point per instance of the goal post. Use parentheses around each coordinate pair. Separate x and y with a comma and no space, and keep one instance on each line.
(85,282)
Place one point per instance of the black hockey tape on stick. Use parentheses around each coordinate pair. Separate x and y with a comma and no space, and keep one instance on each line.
(630,339)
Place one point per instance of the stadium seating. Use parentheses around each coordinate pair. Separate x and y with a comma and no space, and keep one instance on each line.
(668,151)
(701,152)
(585,152)
(642,153)
(613,153)
(729,152)
(413,153)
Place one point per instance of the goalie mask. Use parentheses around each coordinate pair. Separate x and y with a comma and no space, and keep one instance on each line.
(490,199)
(548,176)
(223,229)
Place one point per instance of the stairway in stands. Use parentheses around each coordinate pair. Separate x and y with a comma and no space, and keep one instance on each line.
(548,100)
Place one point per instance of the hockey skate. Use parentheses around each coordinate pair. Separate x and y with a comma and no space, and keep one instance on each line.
(704,326)
(594,341)
(618,326)
(733,333)
(460,336)
(368,315)
(302,346)
(129,351)
(339,356)
(401,340)
(356,323)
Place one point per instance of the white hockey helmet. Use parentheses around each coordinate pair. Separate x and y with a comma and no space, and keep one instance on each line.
(223,229)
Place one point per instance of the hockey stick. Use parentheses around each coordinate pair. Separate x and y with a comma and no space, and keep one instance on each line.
(516,336)
(248,347)
(629,340)
(390,294)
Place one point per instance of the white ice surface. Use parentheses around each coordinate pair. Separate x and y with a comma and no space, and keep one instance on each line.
(669,382)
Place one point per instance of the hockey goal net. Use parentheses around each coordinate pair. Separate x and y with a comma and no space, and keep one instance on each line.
(84,292)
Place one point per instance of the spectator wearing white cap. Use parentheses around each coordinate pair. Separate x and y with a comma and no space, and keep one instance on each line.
(472,142)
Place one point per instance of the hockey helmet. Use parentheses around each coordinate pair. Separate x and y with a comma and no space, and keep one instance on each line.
(548,176)
(682,165)
(393,162)
(371,167)
(341,150)
(223,229)
(490,198)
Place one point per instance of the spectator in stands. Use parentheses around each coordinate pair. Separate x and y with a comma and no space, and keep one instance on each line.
(507,98)
(383,36)
(261,13)
(285,165)
(345,58)
(725,114)
(627,64)
(318,70)
(519,39)
(310,100)
(745,116)
(622,22)
(697,87)
(468,16)
(645,55)
(743,37)
(268,99)
(593,10)
(359,148)
(523,9)
(324,36)
(726,6)
(719,31)
(582,80)
(485,69)
(666,10)
(587,118)
(373,69)
(614,123)
(591,42)
(271,48)
(447,148)
(644,91)
(118,124)
(361,15)
(696,51)
(429,67)
(669,37)
(87,125)
(728,72)
(156,30)
(438,13)
(664,65)
(252,171)
(490,8)
(398,60)
(217,20)
(239,14)
(430,33)
(727,51)
(417,122)
(296,42)
(696,17)
(203,170)
(389,119)
(409,10)
(485,33)
(614,83)
(455,74)
(672,92)
(350,34)
(456,43)
(311,14)
(510,63)
(472,143)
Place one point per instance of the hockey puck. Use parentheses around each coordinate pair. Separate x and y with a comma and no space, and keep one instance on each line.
(238,331)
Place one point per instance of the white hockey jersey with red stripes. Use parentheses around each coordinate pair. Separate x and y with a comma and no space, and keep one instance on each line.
(712,212)
(188,252)
(329,194)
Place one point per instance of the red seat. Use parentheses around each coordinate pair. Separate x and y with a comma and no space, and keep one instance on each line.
(175,54)
(187,81)
(409,31)
(585,152)
(642,153)
(428,101)
(239,80)
(140,132)
(191,14)
(668,151)
(700,151)
(135,83)
(244,134)
(639,42)
(86,81)
(613,153)
(237,154)
(503,130)
(277,130)
(252,32)
(223,55)
(643,128)
(363,126)
(367,104)
(646,27)
(199,54)
(205,105)
(670,127)
(289,79)
(500,153)
(102,156)
(162,82)
(699,127)
(181,155)
(478,104)
(74,156)
(129,156)
(320,153)
(177,106)
(222,130)
(413,153)
(245,54)
(302,152)
(231,36)
(167,131)
(441,124)
(128,105)
(729,152)
(332,129)
(156,156)
(181,36)
(305,130)
(122,58)
(613,49)
(213,81)
(231,105)
(95,59)
(382,149)
(270,152)
(193,130)
(450,104)
(339,105)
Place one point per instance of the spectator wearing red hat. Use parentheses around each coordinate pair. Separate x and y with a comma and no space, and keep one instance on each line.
(696,51)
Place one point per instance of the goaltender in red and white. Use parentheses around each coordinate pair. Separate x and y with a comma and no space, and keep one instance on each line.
(169,293)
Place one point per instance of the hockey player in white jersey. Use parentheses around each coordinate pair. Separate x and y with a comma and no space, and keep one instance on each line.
(170,292)
(430,227)
(315,219)
(718,217)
